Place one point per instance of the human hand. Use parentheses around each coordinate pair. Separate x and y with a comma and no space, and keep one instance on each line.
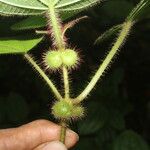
(37,135)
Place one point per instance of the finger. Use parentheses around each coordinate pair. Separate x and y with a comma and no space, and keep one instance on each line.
(33,134)
(55,145)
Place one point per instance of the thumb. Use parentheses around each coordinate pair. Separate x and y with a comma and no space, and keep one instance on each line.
(55,145)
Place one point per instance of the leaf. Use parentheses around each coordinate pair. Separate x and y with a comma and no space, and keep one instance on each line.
(34,22)
(6,9)
(130,140)
(35,7)
(67,5)
(96,119)
(116,120)
(104,135)
(137,12)
(31,22)
(21,7)
(18,44)
(107,34)
(34,4)
(47,2)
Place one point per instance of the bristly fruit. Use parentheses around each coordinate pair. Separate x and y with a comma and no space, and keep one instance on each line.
(53,60)
(62,109)
(77,112)
(69,58)
(65,109)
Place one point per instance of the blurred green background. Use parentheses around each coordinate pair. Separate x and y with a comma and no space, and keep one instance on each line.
(118,109)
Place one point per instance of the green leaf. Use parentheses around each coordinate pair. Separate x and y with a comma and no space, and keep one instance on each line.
(67,5)
(34,22)
(104,135)
(31,22)
(34,4)
(35,7)
(6,9)
(137,12)
(21,7)
(116,120)
(107,34)
(18,44)
(96,119)
(47,2)
(130,140)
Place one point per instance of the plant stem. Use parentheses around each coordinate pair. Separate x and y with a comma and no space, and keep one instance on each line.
(45,77)
(63,132)
(66,82)
(56,28)
(119,42)
(59,42)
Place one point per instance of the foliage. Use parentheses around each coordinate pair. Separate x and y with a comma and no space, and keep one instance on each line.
(103,129)
(18,44)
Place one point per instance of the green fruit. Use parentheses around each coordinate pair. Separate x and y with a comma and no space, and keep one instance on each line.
(78,112)
(69,57)
(62,109)
(53,59)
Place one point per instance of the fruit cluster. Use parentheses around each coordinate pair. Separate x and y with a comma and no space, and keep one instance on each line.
(54,59)
(65,109)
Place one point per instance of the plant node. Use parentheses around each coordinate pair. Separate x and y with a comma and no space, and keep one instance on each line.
(66,110)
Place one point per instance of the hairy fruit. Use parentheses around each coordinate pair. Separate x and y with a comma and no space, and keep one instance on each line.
(65,109)
(53,60)
(69,58)
(78,112)
(62,109)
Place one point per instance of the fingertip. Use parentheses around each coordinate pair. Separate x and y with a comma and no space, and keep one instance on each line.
(71,138)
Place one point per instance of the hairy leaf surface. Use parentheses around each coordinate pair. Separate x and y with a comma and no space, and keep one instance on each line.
(6,9)
(67,5)
(36,7)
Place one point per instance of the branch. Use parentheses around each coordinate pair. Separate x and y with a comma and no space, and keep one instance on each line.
(45,77)
(116,46)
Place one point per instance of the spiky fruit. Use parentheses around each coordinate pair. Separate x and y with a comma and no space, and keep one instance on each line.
(53,60)
(77,112)
(69,58)
(62,109)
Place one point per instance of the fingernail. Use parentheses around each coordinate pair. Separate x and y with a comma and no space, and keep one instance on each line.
(55,145)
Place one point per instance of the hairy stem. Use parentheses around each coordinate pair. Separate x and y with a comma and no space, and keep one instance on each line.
(119,42)
(45,77)
(59,43)
(56,28)
(66,82)
(63,132)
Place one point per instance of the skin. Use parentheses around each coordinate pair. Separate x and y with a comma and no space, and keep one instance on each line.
(34,136)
